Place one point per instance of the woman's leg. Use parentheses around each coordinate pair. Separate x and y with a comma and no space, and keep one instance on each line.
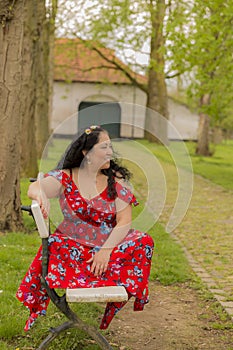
(130,266)
(31,293)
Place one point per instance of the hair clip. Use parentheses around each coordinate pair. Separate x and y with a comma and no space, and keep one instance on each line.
(91,128)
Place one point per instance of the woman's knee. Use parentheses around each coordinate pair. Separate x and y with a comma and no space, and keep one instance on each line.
(147,240)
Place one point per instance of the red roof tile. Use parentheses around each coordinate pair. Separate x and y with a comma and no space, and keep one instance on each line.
(75,61)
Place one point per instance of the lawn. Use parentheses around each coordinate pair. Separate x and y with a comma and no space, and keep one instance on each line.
(169,263)
(16,253)
(218,168)
(18,249)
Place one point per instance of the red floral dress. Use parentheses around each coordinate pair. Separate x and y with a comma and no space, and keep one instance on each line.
(86,226)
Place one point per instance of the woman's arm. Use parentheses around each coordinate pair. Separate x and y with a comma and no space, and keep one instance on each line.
(43,189)
(123,218)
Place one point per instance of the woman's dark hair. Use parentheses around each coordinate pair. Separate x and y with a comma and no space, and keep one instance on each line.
(73,157)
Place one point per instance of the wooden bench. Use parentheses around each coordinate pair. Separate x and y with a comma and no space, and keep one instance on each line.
(99,294)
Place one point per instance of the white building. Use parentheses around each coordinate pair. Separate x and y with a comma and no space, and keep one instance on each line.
(83,79)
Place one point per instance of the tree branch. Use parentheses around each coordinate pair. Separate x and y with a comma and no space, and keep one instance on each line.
(173,75)
(87,69)
(117,65)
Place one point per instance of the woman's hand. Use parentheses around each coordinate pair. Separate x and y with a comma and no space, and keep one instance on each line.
(44,204)
(35,192)
(100,261)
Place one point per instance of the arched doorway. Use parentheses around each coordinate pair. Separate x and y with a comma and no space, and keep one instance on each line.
(106,114)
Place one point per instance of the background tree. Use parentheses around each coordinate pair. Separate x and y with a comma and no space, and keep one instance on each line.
(46,15)
(189,40)
(37,81)
(126,26)
(11,34)
(213,74)
(206,52)
(28,150)
(156,88)
(23,45)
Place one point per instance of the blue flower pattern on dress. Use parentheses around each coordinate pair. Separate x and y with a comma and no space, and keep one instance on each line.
(96,217)
(75,254)
(86,226)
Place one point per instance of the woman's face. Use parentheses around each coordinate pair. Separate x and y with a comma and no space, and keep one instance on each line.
(101,154)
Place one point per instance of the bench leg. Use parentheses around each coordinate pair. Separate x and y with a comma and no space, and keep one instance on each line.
(74,321)
(97,336)
(54,332)
(62,305)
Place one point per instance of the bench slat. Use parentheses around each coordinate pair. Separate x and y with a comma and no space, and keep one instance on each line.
(99,294)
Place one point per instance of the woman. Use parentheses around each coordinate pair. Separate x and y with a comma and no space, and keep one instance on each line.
(94,245)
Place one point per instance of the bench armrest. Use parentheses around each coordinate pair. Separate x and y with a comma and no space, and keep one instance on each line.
(39,219)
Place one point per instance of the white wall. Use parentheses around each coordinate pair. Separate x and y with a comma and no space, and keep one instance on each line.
(67,98)
(185,122)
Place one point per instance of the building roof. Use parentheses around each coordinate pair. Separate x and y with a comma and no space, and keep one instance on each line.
(76,60)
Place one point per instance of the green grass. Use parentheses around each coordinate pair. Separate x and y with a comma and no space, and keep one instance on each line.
(218,168)
(210,307)
(16,253)
(169,264)
(18,249)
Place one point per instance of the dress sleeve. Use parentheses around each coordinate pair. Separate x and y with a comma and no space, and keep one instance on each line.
(58,175)
(125,194)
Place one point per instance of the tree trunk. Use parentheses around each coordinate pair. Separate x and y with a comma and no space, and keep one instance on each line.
(44,75)
(203,135)
(11,37)
(202,148)
(52,17)
(155,125)
(28,91)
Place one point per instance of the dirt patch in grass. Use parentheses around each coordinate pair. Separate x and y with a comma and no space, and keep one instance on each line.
(176,318)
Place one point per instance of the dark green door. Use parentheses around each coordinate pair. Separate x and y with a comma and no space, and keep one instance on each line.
(108,115)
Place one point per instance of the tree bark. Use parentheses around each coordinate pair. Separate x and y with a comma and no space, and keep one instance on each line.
(155,125)
(52,18)
(45,73)
(29,165)
(39,37)
(11,38)
(203,135)
(202,148)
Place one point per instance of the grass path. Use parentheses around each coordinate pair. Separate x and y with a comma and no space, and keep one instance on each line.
(206,232)
(178,317)
(207,229)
